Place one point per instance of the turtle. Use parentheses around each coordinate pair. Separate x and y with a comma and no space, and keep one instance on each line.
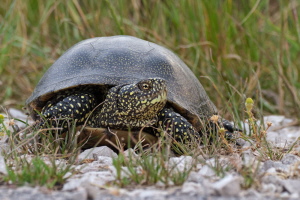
(126,83)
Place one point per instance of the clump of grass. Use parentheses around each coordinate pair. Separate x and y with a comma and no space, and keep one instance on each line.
(151,166)
(221,132)
(260,146)
(37,172)
(33,158)
(250,175)
(2,126)
(258,133)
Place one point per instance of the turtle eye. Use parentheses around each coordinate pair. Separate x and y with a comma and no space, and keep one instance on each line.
(144,86)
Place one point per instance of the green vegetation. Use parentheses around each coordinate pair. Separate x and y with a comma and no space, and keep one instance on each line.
(147,170)
(37,172)
(152,166)
(33,159)
(236,48)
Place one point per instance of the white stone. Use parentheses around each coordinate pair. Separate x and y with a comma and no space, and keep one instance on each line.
(245,127)
(277,121)
(244,143)
(68,175)
(37,193)
(5,148)
(146,194)
(273,180)
(2,165)
(281,144)
(251,192)
(124,171)
(206,171)
(198,166)
(284,195)
(97,151)
(200,158)
(268,188)
(15,113)
(289,159)
(222,161)
(271,170)
(275,164)
(102,162)
(292,185)
(249,159)
(281,133)
(294,196)
(130,153)
(99,178)
(211,162)
(18,114)
(194,177)
(228,186)
(192,188)
(272,136)
(181,164)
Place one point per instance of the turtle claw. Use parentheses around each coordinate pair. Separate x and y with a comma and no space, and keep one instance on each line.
(230,129)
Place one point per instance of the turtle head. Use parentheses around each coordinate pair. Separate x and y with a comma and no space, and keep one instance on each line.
(143,99)
(134,105)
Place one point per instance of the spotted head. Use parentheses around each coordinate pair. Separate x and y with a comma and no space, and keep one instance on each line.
(134,105)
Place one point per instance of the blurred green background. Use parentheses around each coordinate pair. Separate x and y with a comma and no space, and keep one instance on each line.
(237,49)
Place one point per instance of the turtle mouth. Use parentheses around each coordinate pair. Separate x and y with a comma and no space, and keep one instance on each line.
(156,97)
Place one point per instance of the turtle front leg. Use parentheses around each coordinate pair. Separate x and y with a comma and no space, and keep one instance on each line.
(67,107)
(175,125)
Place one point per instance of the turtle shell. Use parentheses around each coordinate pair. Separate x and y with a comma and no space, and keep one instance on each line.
(122,60)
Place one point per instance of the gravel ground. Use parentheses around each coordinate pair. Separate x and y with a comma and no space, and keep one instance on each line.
(278,179)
